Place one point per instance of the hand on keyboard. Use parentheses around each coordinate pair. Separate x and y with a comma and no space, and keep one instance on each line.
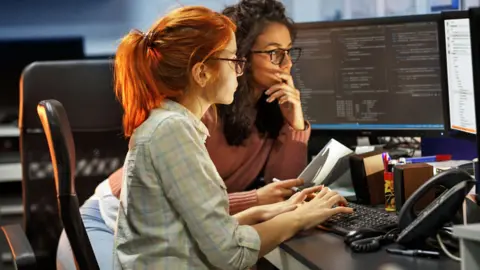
(270,211)
(364,217)
(319,209)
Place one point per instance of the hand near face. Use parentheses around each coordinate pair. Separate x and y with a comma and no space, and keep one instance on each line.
(288,98)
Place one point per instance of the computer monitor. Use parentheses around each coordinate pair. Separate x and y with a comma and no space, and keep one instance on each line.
(371,76)
(457,74)
(16,54)
(474,16)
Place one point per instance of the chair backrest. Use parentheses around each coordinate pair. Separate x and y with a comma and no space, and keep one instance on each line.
(62,152)
(85,88)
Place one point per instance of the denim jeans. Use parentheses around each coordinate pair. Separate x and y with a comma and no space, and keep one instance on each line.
(101,238)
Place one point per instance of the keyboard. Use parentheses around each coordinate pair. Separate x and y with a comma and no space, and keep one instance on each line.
(363,217)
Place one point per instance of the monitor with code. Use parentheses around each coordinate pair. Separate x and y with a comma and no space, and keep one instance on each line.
(372,75)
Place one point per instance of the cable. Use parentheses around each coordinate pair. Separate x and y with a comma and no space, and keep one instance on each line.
(373,244)
(444,249)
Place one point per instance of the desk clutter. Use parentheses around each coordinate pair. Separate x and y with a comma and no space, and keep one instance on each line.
(412,202)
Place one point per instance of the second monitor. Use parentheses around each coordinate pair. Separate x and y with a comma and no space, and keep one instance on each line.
(381,75)
(456,59)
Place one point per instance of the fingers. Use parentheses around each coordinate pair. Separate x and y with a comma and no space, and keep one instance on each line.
(311,190)
(286,98)
(332,198)
(290,183)
(286,77)
(277,95)
(340,209)
(285,193)
(280,90)
(330,193)
(326,194)
(297,198)
(336,199)
(306,194)
(322,193)
(275,88)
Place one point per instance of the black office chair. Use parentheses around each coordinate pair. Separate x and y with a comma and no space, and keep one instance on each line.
(22,252)
(62,151)
(85,89)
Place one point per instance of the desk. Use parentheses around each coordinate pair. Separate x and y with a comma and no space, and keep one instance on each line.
(325,251)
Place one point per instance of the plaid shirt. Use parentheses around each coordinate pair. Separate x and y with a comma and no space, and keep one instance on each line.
(174,205)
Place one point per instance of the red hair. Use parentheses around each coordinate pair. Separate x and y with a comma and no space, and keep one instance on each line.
(154,66)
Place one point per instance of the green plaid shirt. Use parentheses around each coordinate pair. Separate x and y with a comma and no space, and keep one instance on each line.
(174,205)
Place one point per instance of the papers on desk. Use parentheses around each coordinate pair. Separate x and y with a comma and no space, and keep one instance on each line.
(331,167)
(321,167)
(364,149)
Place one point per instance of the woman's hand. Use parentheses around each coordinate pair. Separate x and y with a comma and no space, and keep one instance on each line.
(320,208)
(277,191)
(289,101)
(269,211)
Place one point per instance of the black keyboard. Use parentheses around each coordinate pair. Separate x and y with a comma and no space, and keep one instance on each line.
(363,217)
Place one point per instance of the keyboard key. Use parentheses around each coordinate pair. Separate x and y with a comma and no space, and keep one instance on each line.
(363,217)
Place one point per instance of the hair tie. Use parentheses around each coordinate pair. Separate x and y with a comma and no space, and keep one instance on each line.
(148,38)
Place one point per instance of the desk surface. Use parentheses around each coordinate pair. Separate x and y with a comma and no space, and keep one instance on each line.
(326,251)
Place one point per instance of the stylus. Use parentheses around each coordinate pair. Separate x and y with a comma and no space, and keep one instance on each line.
(414,252)
(295,189)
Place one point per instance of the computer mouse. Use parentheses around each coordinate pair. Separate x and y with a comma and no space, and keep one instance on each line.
(361,234)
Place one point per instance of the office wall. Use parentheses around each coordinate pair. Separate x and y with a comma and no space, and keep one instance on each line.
(322,10)
(144,12)
(104,22)
(101,22)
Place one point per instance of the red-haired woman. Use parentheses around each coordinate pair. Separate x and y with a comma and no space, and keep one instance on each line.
(174,210)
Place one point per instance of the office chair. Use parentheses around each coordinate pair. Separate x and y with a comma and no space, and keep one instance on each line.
(22,252)
(85,89)
(62,151)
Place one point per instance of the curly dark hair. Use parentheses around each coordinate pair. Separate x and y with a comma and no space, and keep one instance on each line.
(251,18)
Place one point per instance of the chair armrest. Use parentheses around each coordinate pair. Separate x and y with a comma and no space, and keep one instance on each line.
(22,252)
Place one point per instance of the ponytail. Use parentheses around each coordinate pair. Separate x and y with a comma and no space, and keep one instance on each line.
(154,66)
(135,84)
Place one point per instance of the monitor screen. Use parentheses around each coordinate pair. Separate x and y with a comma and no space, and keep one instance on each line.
(16,54)
(458,56)
(378,74)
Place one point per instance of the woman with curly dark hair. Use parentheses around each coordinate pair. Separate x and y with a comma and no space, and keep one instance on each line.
(264,128)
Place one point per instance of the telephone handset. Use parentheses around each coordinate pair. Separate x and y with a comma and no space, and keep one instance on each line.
(415,229)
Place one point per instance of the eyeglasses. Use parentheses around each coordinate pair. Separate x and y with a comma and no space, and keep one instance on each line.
(239,63)
(278,55)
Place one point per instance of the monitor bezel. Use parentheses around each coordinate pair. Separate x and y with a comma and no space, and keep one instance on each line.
(474,17)
(434,18)
(449,15)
